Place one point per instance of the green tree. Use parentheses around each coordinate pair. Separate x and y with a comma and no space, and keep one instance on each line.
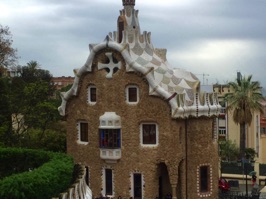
(5,116)
(8,54)
(244,99)
(29,101)
(228,150)
(33,72)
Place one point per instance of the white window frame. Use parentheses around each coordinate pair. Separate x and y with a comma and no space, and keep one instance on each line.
(132,183)
(127,94)
(89,94)
(78,129)
(141,134)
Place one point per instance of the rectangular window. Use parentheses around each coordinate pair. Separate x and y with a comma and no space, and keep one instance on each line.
(149,134)
(110,138)
(83,131)
(108,182)
(137,185)
(93,94)
(204,179)
(132,94)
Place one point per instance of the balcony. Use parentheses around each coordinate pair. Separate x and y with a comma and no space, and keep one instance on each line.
(110,155)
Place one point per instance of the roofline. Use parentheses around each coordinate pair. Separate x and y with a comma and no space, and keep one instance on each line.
(179,106)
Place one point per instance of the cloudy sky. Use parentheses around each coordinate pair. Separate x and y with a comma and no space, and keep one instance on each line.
(214,39)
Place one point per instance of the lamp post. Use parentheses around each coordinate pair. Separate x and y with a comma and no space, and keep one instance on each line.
(244,162)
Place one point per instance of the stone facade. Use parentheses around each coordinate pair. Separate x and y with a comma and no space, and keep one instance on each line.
(183,161)
(184,144)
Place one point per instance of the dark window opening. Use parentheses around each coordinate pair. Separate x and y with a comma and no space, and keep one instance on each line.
(132,94)
(137,186)
(149,134)
(93,94)
(108,182)
(83,131)
(110,138)
(204,179)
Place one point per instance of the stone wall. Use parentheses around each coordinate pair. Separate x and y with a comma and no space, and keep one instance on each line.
(167,159)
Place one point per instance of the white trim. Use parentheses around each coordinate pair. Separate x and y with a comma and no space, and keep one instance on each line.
(127,94)
(210,191)
(183,109)
(78,132)
(89,94)
(131,191)
(157,135)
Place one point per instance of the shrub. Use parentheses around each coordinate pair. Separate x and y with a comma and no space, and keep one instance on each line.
(50,173)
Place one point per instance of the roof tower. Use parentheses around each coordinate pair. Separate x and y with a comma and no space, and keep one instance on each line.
(128,2)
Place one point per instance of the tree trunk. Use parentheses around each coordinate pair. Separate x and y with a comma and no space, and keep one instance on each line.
(242,139)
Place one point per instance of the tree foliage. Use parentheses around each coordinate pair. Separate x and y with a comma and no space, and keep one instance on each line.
(228,150)
(31,110)
(243,101)
(8,54)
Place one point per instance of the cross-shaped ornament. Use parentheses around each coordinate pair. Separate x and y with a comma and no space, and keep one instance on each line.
(111,65)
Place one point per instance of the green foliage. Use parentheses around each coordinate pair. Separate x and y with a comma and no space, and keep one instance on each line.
(51,173)
(250,153)
(243,101)
(228,150)
(32,73)
(8,55)
(28,111)
(52,140)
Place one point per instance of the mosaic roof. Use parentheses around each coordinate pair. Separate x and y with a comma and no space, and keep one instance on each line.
(179,87)
(141,50)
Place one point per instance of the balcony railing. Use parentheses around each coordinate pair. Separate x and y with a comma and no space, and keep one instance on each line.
(109,154)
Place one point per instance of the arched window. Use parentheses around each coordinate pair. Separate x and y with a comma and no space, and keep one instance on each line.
(92,94)
(132,94)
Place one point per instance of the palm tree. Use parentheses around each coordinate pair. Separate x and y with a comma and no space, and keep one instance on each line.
(243,101)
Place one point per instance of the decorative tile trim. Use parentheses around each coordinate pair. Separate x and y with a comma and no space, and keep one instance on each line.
(208,193)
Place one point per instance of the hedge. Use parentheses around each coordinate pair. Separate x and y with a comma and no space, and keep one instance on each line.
(33,173)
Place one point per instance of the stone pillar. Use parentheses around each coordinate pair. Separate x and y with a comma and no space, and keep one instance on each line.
(173,191)
(173,175)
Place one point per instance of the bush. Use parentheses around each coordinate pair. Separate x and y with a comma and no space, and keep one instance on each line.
(42,174)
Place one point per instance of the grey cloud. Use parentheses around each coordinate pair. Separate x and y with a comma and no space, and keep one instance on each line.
(58,38)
